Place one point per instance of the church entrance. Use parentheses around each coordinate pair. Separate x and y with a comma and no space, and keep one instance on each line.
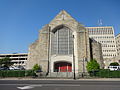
(62,67)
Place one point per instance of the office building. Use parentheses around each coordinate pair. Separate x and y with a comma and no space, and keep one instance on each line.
(105,36)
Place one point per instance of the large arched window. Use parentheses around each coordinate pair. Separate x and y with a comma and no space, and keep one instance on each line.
(62,41)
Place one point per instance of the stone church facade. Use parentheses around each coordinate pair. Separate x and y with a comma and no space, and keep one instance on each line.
(63,45)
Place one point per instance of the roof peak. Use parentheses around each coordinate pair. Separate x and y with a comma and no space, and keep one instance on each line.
(63,17)
(64,12)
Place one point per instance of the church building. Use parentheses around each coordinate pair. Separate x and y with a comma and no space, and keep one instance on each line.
(63,45)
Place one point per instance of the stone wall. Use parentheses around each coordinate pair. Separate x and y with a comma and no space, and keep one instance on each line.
(107,61)
(38,51)
(83,49)
(81,39)
(96,52)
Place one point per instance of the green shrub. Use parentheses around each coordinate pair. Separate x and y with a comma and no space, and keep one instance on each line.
(16,73)
(29,73)
(106,73)
(114,64)
(36,67)
(92,66)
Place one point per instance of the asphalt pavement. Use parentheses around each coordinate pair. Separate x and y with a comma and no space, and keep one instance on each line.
(58,85)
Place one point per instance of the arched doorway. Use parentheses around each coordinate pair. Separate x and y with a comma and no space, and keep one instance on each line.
(62,67)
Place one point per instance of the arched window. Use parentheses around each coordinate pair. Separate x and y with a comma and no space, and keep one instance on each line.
(62,41)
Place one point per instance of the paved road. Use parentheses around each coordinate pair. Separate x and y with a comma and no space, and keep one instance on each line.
(58,85)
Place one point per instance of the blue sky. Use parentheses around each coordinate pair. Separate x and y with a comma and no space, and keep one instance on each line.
(20,20)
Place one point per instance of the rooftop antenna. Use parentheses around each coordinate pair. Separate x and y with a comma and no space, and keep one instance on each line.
(100,22)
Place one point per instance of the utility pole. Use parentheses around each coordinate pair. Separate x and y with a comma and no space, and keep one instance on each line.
(73,60)
(83,66)
(48,50)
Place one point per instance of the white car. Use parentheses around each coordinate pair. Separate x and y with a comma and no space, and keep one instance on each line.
(14,68)
(114,68)
(11,68)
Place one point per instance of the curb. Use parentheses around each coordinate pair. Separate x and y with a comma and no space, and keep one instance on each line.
(83,79)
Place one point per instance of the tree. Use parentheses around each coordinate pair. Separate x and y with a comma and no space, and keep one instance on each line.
(114,64)
(92,65)
(5,62)
(36,67)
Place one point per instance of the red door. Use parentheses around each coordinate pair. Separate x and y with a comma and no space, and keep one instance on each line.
(63,67)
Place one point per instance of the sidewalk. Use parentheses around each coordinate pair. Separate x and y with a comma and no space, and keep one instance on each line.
(81,79)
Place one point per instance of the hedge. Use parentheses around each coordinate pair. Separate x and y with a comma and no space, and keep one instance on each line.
(105,73)
(16,73)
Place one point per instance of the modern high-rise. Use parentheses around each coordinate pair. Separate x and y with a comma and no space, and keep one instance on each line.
(117,38)
(105,36)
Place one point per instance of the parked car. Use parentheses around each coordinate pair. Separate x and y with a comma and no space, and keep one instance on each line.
(16,68)
(4,68)
(13,68)
(114,68)
(21,67)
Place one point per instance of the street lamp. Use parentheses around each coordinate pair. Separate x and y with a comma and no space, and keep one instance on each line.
(73,60)
(48,51)
(83,66)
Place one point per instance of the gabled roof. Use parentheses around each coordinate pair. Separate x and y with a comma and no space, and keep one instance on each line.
(64,18)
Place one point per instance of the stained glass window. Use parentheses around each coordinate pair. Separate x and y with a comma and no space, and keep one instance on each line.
(62,41)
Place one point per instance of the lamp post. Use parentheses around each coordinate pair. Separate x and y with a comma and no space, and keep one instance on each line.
(74,77)
(83,66)
(48,50)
